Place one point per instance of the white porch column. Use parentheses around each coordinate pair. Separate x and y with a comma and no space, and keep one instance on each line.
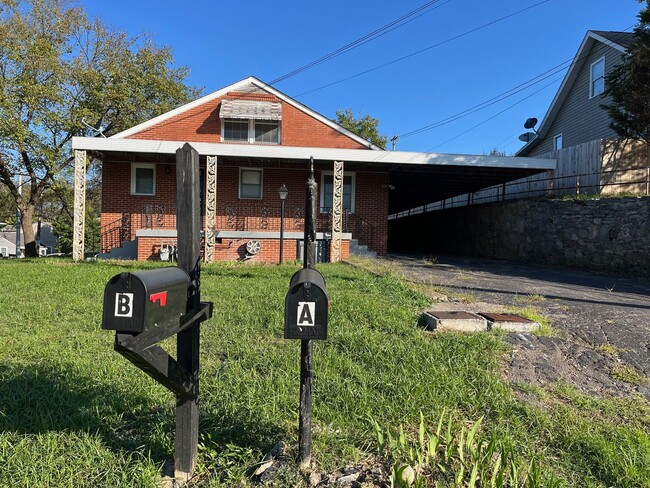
(337,212)
(79,205)
(210,207)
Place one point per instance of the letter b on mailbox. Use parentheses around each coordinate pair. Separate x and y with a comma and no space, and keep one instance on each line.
(306,306)
(134,302)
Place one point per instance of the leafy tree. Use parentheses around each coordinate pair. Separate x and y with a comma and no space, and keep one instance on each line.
(365,127)
(59,67)
(628,85)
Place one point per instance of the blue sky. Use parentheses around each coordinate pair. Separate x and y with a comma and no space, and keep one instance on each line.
(223,42)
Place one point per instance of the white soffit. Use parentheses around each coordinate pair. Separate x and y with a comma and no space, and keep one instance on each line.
(304,153)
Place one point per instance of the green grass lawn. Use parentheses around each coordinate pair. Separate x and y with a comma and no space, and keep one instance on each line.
(75,413)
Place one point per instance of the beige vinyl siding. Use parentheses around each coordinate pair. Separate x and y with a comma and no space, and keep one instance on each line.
(581,119)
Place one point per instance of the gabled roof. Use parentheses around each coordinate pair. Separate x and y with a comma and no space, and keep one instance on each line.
(617,40)
(246,85)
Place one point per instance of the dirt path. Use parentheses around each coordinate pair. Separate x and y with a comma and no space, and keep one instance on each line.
(602,321)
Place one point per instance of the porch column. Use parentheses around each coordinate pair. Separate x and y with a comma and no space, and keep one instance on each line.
(337,212)
(210,207)
(79,205)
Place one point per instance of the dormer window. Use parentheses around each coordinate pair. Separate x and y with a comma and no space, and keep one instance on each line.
(250,121)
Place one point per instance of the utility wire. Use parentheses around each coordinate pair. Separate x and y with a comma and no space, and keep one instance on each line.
(496,115)
(503,96)
(415,53)
(403,20)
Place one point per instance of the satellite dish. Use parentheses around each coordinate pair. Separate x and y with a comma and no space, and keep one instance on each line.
(530,123)
(527,136)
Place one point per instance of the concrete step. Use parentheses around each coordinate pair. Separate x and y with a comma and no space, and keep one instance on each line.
(357,249)
(128,250)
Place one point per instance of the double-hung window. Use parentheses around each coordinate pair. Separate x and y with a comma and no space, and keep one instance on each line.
(250,183)
(250,121)
(597,81)
(327,191)
(143,179)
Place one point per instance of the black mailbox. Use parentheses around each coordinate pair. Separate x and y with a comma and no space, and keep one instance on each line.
(135,302)
(306,306)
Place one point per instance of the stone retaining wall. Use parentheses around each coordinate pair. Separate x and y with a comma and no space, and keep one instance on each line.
(608,234)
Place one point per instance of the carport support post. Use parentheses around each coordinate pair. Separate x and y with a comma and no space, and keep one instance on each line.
(306,346)
(79,205)
(187,344)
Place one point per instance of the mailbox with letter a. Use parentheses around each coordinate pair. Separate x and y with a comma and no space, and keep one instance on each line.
(135,302)
(306,306)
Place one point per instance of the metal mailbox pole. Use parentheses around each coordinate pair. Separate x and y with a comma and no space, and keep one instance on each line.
(306,346)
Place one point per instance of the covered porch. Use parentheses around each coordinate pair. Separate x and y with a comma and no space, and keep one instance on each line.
(384,181)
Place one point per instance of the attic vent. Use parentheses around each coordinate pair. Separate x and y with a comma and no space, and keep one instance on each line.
(250,109)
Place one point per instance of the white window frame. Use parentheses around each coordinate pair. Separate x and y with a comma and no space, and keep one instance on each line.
(4,251)
(592,80)
(555,139)
(353,192)
(251,131)
(261,171)
(134,167)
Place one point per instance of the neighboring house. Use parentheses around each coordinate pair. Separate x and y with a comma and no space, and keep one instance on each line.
(576,130)
(251,140)
(8,240)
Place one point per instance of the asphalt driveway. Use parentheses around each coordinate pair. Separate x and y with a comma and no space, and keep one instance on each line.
(602,320)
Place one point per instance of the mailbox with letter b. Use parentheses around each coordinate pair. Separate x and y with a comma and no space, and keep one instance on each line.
(306,306)
(135,302)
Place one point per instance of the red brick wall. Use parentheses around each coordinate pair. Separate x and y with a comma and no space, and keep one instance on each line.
(235,250)
(118,201)
(202,124)
(371,200)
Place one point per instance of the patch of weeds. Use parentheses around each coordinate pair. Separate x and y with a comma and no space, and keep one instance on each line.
(610,349)
(429,261)
(531,313)
(463,297)
(537,391)
(627,374)
(455,454)
(530,298)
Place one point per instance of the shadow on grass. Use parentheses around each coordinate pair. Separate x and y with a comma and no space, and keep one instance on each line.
(48,398)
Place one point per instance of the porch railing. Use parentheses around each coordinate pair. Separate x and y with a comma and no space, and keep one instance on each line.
(233,217)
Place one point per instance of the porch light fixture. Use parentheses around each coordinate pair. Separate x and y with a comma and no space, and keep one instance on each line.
(283,191)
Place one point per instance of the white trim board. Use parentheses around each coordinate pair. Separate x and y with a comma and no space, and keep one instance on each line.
(304,153)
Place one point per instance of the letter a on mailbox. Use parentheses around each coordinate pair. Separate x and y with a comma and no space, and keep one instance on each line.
(306,313)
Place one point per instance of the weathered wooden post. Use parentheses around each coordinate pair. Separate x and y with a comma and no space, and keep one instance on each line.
(147,307)
(188,224)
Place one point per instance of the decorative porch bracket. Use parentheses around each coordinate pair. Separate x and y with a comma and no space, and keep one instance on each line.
(210,208)
(337,211)
(79,205)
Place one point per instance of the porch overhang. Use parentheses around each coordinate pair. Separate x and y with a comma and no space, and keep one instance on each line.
(416,178)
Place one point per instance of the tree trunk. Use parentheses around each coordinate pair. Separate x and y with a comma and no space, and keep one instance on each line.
(28,231)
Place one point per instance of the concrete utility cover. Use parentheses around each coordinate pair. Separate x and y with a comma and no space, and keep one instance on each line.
(458,321)
(509,322)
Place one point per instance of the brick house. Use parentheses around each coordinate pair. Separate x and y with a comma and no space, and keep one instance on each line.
(252,139)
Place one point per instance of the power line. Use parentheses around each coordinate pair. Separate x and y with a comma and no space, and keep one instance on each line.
(495,115)
(403,20)
(503,96)
(415,53)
